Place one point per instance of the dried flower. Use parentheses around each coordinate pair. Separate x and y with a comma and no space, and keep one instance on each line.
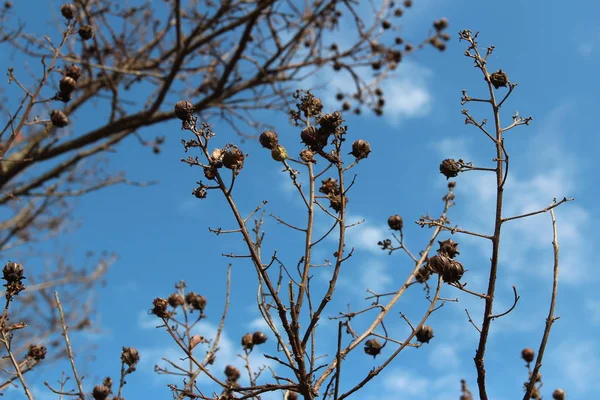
(247,343)
(37,352)
(259,338)
(329,122)
(184,110)
(86,32)
(269,140)
(329,186)
(424,334)
(440,24)
(160,307)
(307,156)
(449,248)
(279,153)
(13,275)
(59,119)
(499,79)
(360,149)
(452,271)
(195,301)
(395,222)
(373,347)
(233,158)
(422,274)
(100,392)
(73,71)
(67,11)
(209,173)
(450,168)
(130,356)
(232,373)
(337,202)
(67,84)
(558,394)
(527,354)
(310,136)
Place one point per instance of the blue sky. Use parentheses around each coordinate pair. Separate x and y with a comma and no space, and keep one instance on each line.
(160,232)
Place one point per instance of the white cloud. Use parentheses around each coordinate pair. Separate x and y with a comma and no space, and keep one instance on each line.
(579,361)
(444,356)
(364,236)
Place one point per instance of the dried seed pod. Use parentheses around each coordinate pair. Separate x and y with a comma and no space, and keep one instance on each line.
(73,71)
(337,202)
(279,153)
(259,338)
(130,356)
(160,307)
(247,343)
(440,24)
(450,168)
(435,42)
(438,263)
(175,300)
(269,140)
(209,173)
(448,248)
(59,119)
(232,373)
(499,79)
(100,392)
(216,158)
(290,395)
(184,110)
(558,394)
(329,186)
(398,12)
(425,334)
(67,11)
(360,149)
(527,354)
(407,3)
(386,24)
(422,275)
(346,106)
(37,352)
(67,84)
(373,347)
(13,272)
(233,158)
(329,122)
(307,156)
(195,301)
(398,40)
(86,32)
(395,222)
(310,136)
(452,271)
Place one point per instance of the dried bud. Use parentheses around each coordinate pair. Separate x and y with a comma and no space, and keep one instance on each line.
(160,307)
(440,24)
(337,202)
(86,32)
(73,71)
(233,158)
(279,153)
(398,12)
(37,352)
(329,186)
(499,79)
(360,149)
(130,356)
(67,84)
(449,248)
(184,110)
(13,272)
(373,347)
(310,136)
(386,24)
(398,40)
(329,122)
(395,222)
(67,11)
(558,394)
(450,168)
(527,354)
(259,338)
(422,274)
(269,140)
(196,301)
(232,373)
(435,42)
(425,334)
(452,271)
(407,3)
(59,119)
(307,156)
(247,343)
(100,392)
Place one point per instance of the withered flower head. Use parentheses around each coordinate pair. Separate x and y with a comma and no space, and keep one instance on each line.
(310,136)
(160,307)
(337,202)
(395,222)
(175,300)
(130,356)
(233,158)
(209,173)
(184,110)
(268,139)
(67,11)
(422,274)
(449,248)
(247,343)
(59,119)
(452,271)
(37,352)
(425,334)
(100,392)
(527,354)
(67,84)
(196,301)
(259,338)
(329,122)
(13,275)
(307,156)
(373,347)
(450,168)
(232,373)
(329,186)
(360,149)
(73,71)
(499,79)
(86,32)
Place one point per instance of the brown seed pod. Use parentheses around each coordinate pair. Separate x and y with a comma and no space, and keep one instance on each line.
(279,153)
(527,354)
(232,373)
(130,356)
(373,347)
(448,248)
(329,186)
(59,119)
(452,271)
(269,140)
(67,11)
(425,334)
(398,12)
(360,149)
(184,110)
(395,222)
(440,24)
(386,24)
(209,173)
(422,275)
(67,84)
(558,394)
(73,71)
(499,79)
(335,202)
(307,156)
(100,392)
(438,263)
(175,300)
(86,32)
(310,136)
(259,338)
(247,343)
(37,352)
(160,307)
(329,122)
(407,3)
(450,168)
(233,158)
(195,301)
